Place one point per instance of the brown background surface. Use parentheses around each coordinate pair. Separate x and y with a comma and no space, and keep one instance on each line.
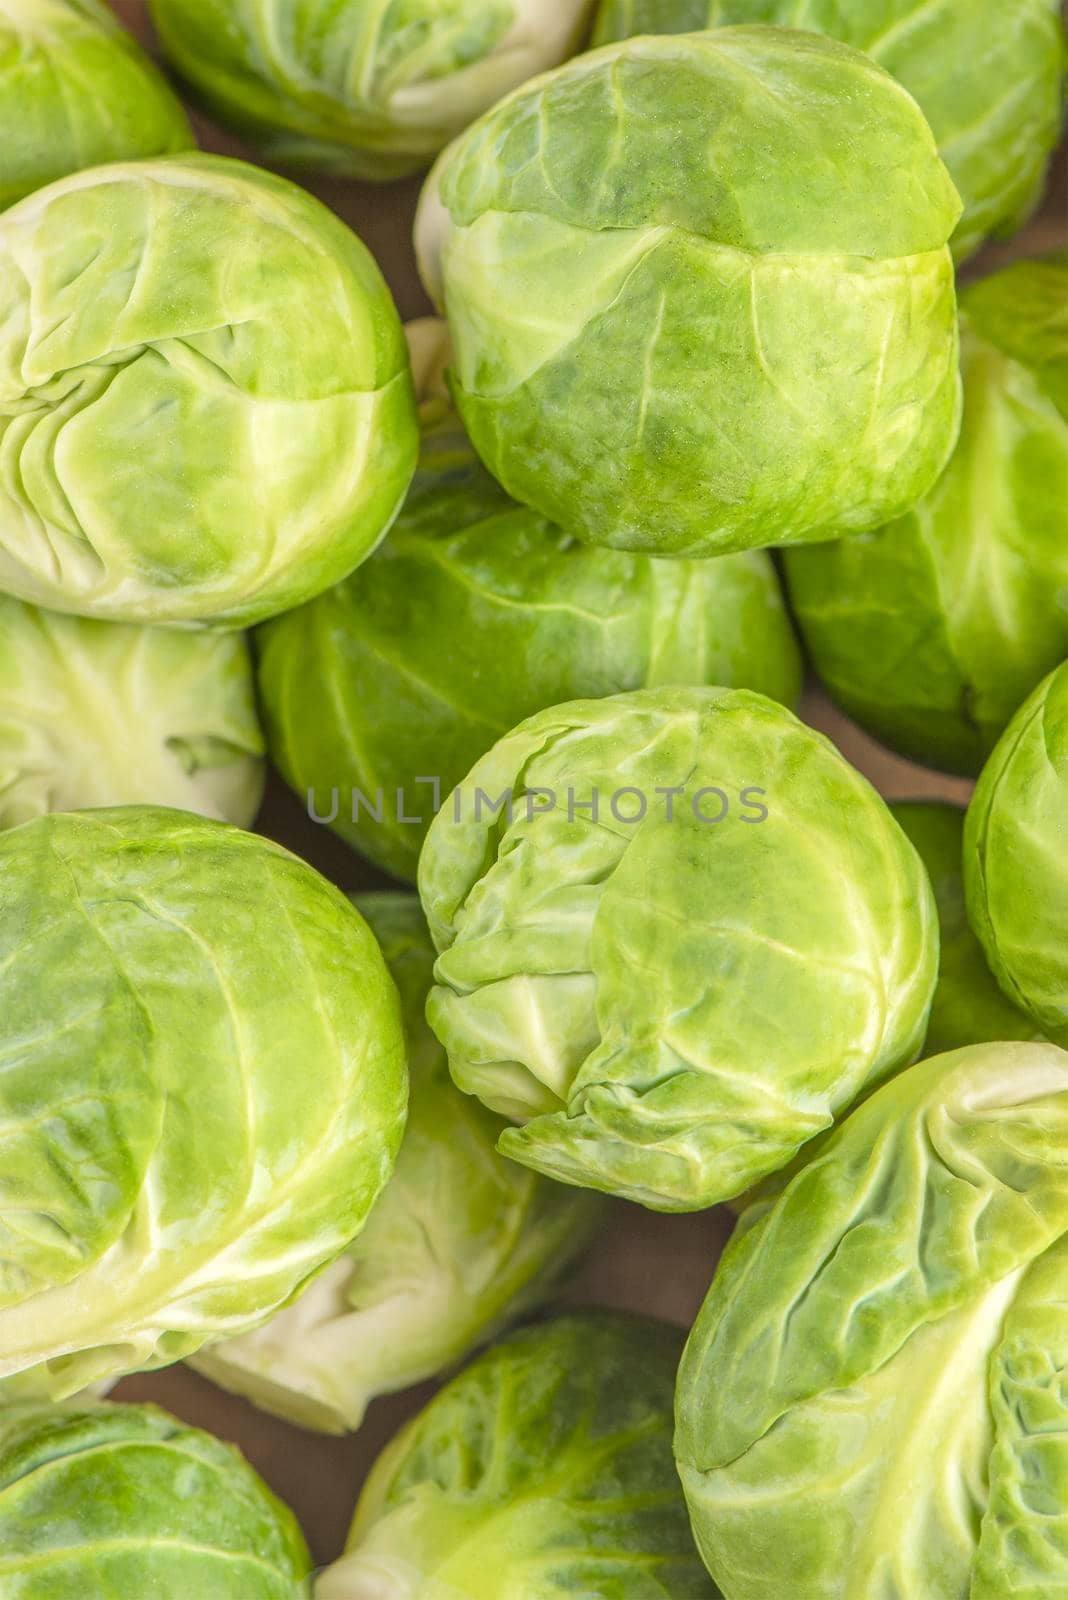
(645,1262)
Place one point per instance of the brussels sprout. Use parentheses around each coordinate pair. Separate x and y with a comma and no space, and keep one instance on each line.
(205,402)
(1014,860)
(543,1470)
(474,614)
(700,293)
(203,1088)
(105,713)
(76,91)
(356,89)
(460,1241)
(871,1401)
(931,631)
(102,1500)
(687,938)
(987,76)
(968,1008)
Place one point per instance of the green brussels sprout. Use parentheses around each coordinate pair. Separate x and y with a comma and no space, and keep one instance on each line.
(686,939)
(968,1008)
(125,1500)
(700,292)
(361,90)
(205,400)
(203,1089)
(474,614)
(1014,861)
(871,1402)
(931,631)
(76,91)
(542,1470)
(987,75)
(105,713)
(460,1242)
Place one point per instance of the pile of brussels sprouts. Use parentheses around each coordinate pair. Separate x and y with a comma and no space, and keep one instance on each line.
(496,595)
